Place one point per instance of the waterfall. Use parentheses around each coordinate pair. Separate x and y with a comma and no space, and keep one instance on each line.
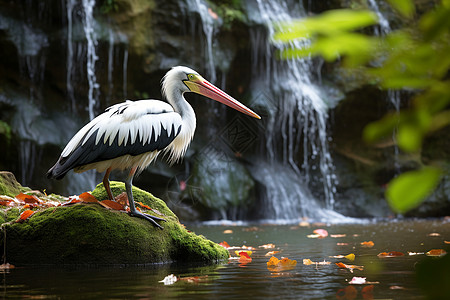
(208,26)
(297,170)
(91,39)
(392,96)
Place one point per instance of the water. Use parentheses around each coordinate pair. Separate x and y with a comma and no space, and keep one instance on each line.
(234,280)
(296,122)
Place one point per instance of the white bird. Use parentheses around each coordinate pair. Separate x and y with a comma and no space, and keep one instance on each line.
(130,135)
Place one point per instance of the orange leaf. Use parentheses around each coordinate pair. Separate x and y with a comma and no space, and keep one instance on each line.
(28,198)
(390,254)
(244,257)
(267,246)
(87,197)
(271,253)
(112,204)
(224,244)
(194,279)
(25,215)
(368,244)
(72,201)
(436,252)
(349,293)
(307,261)
(276,265)
(349,267)
(143,205)
(122,199)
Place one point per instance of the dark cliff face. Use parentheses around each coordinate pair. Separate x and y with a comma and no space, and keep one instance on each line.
(44,100)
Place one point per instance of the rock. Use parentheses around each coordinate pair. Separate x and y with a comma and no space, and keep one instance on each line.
(87,233)
(9,185)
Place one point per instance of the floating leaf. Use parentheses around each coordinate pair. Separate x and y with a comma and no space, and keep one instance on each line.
(367,292)
(350,257)
(228,231)
(194,279)
(390,254)
(307,261)
(6,266)
(349,267)
(409,189)
(169,279)
(24,216)
(244,257)
(358,280)
(368,244)
(436,252)
(337,235)
(321,232)
(267,246)
(271,253)
(284,264)
(239,252)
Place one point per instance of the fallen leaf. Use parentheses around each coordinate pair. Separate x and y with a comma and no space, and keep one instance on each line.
(358,280)
(267,246)
(6,200)
(194,279)
(228,231)
(368,244)
(239,252)
(342,244)
(436,252)
(71,201)
(321,232)
(271,253)
(169,279)
(6,266)
(350,257)
(143,205)
(307,261)
(244,258)
(390,254)
(122,199)
(28,198)
(87,197)
(284,264)
(348,293)
(313,236)
(337,235)
(349,267)
(434,234)
(24,216)
(446,242)
(224,244)
(111,204)
(157,212)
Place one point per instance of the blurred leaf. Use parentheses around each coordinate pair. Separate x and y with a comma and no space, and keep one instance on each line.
(328,23)
(405,7)
(381,129)
(409,189)
(409,137)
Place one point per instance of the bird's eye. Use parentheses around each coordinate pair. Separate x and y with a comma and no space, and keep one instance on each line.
(191,76)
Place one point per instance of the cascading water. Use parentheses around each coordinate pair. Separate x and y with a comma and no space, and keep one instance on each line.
(296,125)
(393,97)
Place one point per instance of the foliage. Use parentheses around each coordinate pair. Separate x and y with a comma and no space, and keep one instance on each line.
(414,58)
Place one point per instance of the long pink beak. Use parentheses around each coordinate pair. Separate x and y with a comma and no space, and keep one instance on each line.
(207,89)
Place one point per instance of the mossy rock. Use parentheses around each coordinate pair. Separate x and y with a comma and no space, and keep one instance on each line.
(87,233)
(9,185)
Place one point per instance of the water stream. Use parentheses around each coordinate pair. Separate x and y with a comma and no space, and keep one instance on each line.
(296,139)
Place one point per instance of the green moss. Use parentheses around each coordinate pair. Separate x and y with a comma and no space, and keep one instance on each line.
(9,185)
(87,233)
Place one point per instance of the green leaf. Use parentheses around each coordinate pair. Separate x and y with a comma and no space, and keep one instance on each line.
(409,189)
(409,137)
(405,7)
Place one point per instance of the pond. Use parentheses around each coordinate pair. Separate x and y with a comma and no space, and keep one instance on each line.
(388,278)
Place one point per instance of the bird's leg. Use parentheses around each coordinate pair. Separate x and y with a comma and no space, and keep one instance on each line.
(106,184)
(133,211)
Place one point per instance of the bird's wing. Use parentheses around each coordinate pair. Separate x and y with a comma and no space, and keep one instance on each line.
(132,127)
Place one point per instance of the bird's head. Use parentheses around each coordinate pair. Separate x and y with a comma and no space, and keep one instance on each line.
(185,79)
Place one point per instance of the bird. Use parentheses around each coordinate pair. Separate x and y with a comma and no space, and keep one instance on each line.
(130,135)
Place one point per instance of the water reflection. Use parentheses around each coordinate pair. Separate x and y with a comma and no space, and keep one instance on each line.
(390,277)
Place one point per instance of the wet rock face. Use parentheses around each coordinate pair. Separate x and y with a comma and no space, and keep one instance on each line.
(91,234)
